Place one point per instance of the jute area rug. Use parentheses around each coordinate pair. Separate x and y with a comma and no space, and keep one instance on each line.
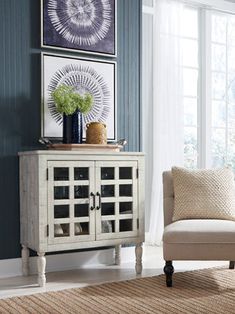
(202,291)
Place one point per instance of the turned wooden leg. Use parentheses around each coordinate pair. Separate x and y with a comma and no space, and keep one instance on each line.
(117,256)
(231,264)
(169,270)
(25,260)
(41,262)
(138,255)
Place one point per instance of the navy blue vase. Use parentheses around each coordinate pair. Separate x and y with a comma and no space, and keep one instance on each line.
(72,128)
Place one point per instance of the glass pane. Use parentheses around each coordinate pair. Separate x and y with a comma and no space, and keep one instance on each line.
(190,111)
(107,226)
(231,59)
(61,174)
(218,142)
(107,190)
(125,190)
(190,52)
(61,211)
(125,207)
(81,173)
(231,148)
(190,161)
(218,58)
(218,28)
(190,140)
(217,161)
(107,173)
(218,85)
(107,209)
(231,115)
(125,173)
(81,228)
(231,29)
(231,87)
(190,81)
(190,147)
(125,225)
(61,230)
(61,192)
(189,23)
(81,191)
(81,210)
(218,114)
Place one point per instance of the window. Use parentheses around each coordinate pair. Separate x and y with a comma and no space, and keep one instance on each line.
(223,89)
(190,45)
(209,116)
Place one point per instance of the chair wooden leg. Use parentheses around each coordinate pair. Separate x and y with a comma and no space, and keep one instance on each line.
(168,270)
(231,264)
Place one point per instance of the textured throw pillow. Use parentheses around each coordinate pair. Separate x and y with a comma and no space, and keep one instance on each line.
(204,193)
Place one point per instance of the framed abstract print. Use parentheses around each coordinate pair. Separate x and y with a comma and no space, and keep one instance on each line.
(87,26)
(97,77)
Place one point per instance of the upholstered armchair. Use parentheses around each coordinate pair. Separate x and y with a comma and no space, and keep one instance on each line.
(193,239)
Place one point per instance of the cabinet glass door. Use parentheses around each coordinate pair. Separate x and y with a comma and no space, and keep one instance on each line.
(116,199)
(70,201)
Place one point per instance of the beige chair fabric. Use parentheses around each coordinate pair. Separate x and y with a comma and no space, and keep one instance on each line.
(168,197)
(194,239)
(200,231)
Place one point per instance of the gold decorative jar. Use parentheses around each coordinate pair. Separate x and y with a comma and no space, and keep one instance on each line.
(96,133)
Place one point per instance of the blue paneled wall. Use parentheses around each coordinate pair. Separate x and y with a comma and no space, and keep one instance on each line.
(20,97)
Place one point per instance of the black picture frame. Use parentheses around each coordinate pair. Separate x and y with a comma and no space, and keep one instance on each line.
(69,26)
(69,70)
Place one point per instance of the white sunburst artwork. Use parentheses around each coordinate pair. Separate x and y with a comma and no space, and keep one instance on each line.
(96,77)
(86,25)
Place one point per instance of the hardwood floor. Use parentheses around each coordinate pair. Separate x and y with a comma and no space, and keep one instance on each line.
(152,265)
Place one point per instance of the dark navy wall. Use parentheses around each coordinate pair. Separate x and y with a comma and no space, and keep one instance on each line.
(20,97)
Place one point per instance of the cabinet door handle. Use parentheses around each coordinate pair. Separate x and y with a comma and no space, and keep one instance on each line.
(98,207)
(93,196)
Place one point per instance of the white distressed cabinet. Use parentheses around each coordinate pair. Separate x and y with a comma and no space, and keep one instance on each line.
(76,199)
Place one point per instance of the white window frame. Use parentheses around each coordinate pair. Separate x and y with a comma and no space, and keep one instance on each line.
(205,84)
(204,89)
(204,133)
(220,5)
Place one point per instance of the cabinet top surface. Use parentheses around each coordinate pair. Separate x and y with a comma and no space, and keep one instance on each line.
(80,152)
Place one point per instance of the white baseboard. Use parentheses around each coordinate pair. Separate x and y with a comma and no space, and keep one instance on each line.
(67,261)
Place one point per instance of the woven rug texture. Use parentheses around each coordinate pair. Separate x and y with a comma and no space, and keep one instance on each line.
(201,291)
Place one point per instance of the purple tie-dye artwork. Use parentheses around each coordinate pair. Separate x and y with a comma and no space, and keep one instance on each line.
(85,25)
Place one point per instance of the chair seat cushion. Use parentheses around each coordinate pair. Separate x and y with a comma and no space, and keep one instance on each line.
(200,231)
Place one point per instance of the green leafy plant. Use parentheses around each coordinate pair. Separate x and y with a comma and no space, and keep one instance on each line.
(68,101)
